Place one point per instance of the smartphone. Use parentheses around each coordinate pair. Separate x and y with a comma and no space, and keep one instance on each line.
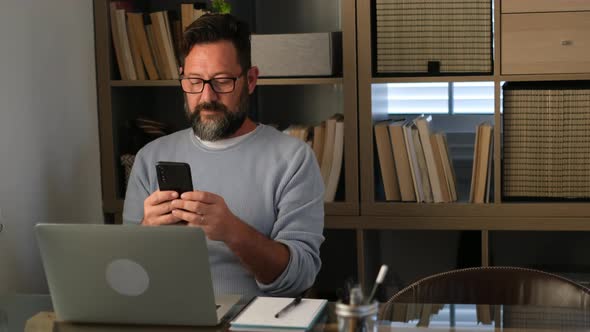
(174,176)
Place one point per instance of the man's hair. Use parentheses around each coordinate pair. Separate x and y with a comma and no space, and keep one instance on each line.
(211,28)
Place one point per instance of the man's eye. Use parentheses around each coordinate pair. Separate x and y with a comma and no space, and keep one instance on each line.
(223,80)
(195,80)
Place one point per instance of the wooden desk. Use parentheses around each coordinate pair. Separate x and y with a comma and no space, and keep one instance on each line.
(33,313)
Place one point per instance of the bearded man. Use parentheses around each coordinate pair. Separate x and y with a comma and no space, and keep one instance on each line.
(259,196)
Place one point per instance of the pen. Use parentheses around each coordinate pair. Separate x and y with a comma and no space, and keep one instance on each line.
(291,304)
(380,277)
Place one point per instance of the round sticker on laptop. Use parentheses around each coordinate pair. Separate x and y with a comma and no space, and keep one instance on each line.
(127,277)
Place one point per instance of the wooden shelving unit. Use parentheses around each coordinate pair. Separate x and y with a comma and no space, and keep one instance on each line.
(497,216)
(359,212)
(109,84)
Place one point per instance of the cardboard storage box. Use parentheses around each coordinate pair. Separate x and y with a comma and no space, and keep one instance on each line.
(300,54)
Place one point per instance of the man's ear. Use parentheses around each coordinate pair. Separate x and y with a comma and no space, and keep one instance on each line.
(180,70)
(252,77)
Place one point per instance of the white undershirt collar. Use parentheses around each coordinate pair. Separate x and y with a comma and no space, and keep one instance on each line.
(224,143)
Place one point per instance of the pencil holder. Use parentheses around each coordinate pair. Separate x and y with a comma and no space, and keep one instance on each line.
(357,318)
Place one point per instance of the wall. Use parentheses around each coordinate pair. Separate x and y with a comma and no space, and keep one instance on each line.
(49,150)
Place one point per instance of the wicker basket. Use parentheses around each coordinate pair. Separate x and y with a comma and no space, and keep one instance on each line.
(546,140)
(433,37)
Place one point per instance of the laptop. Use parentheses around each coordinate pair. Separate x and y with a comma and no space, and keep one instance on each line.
(129,274)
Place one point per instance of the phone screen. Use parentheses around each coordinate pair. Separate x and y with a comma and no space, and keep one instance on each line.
(175,176)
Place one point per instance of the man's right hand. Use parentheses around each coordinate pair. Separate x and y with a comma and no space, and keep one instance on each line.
(157,208)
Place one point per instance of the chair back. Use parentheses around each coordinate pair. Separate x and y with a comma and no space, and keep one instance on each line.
(496,285)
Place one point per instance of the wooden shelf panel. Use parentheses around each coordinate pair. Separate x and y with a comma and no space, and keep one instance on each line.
(342,222)
(427,221)
(119,83)
(300,81)
(261,81)
(341,209)
(519,210)
(546,77)
(421,79)
(471,223)
(330,209)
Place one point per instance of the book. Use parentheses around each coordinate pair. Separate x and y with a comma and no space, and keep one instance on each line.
(121,43)
(259,315)
(121,22)
(336,165)
(135,46)
(482,154)
(318,141)
(434,174)
(413,158)
(329,136)
(442,177)
(386,164)
(426,189)
(402,162)
(447,165)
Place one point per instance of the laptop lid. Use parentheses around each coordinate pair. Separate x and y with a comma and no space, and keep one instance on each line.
(130,274)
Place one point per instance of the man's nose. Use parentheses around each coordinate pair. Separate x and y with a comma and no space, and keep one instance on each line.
(208,94)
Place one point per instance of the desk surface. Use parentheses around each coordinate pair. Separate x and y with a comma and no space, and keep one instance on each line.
(32,313)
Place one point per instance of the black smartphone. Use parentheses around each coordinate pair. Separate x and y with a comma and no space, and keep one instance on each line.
(174,176)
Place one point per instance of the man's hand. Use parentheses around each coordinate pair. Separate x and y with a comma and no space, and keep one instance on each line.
(157,208)
(208,211)
(265,258)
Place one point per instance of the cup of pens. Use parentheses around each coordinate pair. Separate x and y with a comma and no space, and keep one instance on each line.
(357,317)
(359,314)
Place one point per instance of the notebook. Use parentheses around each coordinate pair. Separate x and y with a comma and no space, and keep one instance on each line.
(130,274)
(259,315)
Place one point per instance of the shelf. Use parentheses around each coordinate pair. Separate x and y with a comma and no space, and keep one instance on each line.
(454,217)
(330,209)
(300,81)
(422,79)
(119,83)
(545,77)
(476,224)
(490,210)
(261,81)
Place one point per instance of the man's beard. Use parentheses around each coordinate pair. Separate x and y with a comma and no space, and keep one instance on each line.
(221,125)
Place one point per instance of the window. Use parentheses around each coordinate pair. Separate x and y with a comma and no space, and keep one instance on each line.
(436,98)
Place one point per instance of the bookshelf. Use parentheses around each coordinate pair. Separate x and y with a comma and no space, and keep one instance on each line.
(498,216)
(284,100)
(119,100)
(355,220)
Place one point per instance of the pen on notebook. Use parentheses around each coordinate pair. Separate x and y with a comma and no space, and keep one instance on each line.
(288,307)
(380,277)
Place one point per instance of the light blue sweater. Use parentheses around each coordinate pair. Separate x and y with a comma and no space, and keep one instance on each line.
(269,180)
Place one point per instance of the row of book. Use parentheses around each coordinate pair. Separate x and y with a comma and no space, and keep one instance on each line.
(416,165)
(147,44)
(327,141)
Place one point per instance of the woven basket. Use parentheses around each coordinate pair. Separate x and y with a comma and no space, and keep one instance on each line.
(546,140)
(435,37)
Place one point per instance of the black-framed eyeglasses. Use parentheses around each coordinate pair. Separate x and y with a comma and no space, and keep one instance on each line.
(218,84)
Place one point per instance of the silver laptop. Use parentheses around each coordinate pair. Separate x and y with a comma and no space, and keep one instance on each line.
(130,274)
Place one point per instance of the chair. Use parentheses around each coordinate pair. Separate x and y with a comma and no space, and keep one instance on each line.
(496,285)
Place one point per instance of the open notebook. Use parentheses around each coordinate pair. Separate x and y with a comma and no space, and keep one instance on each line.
(259,315)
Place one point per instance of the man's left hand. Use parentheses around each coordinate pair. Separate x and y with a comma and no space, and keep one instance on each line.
(208,211)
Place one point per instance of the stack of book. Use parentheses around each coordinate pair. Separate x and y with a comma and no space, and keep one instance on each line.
(415,162)
(327,141)
(147,45)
